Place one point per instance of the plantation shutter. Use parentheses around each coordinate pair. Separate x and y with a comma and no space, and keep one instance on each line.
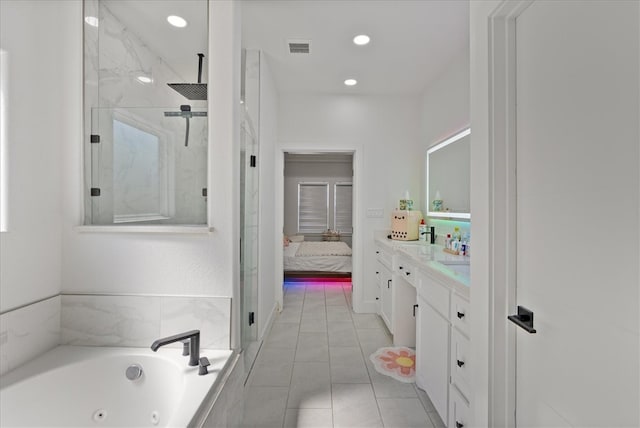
(313,207)
(342,207)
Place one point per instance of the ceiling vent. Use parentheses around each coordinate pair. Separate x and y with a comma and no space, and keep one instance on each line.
(299,46)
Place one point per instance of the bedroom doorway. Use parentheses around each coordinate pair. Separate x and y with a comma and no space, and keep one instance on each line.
(318,207)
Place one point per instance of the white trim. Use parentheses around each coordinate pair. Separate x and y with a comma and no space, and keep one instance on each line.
(502,211)
(4,141)
(144,229)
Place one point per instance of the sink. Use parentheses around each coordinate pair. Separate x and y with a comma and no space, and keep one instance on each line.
(460,266)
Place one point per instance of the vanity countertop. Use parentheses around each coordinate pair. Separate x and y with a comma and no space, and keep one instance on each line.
(448,269)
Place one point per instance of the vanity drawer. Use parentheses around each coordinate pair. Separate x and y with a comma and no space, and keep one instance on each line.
(384,257)
(407,271)
(458,410)
(436,294)
(460,314)
(460,372)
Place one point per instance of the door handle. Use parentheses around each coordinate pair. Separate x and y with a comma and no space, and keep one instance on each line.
(523,319)
(388,283)
(414,310)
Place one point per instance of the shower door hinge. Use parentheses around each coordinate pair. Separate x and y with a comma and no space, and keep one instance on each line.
(95,191)
(252,318)
(95,138)
(204,192)
(252,161)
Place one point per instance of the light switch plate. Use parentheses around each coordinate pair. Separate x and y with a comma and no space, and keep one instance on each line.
(375,212)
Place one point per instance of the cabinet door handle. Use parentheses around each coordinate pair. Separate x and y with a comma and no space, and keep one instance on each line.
(379,272)
(460,363)
(408,273)
(388,283)
(459,424)
(414,309)
(460,315)
(400,267)
(377,252)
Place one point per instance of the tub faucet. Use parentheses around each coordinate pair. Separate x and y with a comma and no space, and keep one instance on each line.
(192,336)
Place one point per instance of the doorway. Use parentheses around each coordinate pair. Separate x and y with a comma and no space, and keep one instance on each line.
(329,175)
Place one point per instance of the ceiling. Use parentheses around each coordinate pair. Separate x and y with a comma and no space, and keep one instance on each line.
(177,46)
(412,41)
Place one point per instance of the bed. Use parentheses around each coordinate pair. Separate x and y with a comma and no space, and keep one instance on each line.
(323,259)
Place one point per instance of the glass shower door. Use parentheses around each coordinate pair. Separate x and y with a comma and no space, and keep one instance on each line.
(249,241)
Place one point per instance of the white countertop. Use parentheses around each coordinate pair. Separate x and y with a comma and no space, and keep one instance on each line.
(429,259)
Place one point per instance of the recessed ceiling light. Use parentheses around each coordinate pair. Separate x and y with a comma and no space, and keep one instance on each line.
(177,21)
(145,79)
(351,82)
(361,40)
(91,20)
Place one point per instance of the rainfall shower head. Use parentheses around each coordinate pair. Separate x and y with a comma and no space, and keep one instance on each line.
(192,91)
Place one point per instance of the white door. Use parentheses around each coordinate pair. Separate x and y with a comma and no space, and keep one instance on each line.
(577,87)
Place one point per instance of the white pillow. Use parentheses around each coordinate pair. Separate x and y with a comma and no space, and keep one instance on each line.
(296,238)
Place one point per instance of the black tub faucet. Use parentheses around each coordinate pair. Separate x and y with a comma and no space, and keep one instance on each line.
(192,336)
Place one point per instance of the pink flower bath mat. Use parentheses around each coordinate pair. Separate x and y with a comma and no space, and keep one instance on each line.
(398,362)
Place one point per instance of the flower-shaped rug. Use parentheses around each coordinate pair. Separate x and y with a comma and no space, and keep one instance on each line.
(398,362)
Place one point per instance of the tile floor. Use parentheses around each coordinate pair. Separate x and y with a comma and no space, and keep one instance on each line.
(313,369)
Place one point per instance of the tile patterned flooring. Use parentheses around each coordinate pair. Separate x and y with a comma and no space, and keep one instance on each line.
(313,369)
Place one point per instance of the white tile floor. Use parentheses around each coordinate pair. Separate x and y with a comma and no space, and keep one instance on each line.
(313,369)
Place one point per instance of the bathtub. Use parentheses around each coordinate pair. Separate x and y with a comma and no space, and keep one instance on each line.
(87,387)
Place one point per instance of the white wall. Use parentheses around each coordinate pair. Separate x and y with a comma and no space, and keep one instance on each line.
(445,110)
(268,135)
(42,83)
(383,131)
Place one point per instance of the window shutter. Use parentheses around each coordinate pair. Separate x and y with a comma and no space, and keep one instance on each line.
(342,208)
(313,207)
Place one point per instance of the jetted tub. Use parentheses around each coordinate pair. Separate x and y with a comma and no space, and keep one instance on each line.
(88,387)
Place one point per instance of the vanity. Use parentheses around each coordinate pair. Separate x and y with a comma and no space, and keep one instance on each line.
(424,301)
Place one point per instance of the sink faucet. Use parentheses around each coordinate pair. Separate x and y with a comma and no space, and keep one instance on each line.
(432,234)
(192,336)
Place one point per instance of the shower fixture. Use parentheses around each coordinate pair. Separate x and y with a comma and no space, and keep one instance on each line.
(185,111)
(192,91)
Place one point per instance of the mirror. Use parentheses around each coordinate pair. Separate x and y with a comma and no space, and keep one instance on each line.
(447,173)
(145,130)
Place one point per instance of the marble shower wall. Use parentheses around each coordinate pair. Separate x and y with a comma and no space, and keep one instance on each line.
(114,58)
(136,321)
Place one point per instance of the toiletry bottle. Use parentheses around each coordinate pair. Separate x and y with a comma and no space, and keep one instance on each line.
(447,242)
(456,234)
(422,231)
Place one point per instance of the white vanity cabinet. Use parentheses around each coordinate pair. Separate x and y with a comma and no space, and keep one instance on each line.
(410,275)
(397,296)
(432,355)
(442,349)
(385,279)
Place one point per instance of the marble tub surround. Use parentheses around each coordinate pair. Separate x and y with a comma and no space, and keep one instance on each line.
(136,321)
(28,332)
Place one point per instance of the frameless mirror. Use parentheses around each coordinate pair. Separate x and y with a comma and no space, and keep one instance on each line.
(447,174)
(145,114)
